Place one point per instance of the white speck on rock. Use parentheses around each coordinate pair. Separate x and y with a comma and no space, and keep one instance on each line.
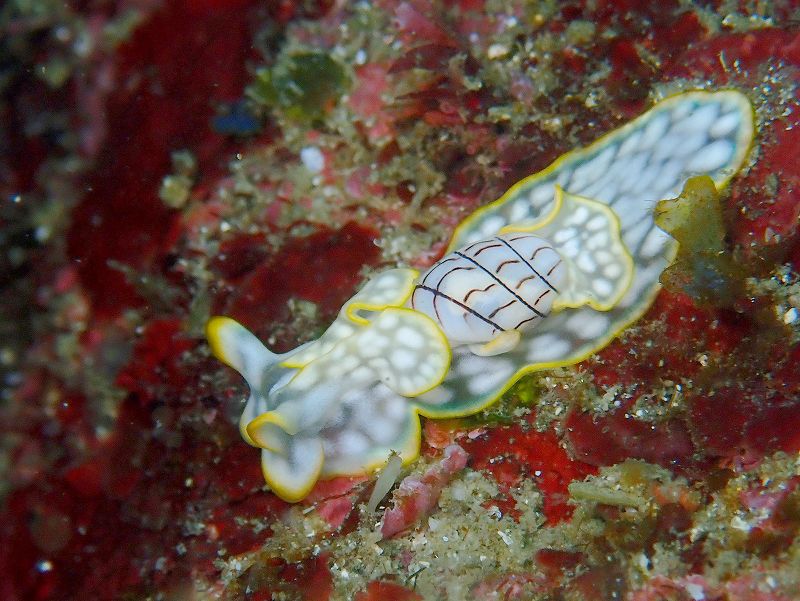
(739,524)
(506,538)
(696,591)
(313,159)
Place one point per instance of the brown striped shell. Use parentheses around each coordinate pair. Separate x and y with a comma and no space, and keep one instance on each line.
(507,282)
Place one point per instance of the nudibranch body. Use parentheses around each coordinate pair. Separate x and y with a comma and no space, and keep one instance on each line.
(490,289)
(543,277)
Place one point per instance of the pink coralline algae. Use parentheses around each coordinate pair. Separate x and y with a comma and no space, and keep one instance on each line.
(416,496)
(662,467)
(747,588)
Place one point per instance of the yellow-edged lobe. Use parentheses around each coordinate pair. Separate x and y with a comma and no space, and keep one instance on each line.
(555,209)
(302,358)
(350,311)
(215,333)
(254,433)
(352,307)
(443,347)
(627,258)
(292,494)
(270,417)
(408,450)
(594,205)
(245,435)
(502,343)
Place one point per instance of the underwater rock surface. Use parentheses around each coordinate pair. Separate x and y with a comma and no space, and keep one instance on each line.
(152,176)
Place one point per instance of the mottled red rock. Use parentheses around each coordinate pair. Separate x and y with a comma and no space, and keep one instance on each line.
(366,100)
(757,421)
(322,268)
(609,439)
(238,256)
(554,563)
(599,582)
(416,21)
(755,587)
(161,104)
(156,361)
(771,210)
(310,579)
(513,453)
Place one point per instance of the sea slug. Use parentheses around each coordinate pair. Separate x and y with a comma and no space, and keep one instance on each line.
(543,277)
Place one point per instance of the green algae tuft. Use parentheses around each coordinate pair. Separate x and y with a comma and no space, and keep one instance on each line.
(301,86)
